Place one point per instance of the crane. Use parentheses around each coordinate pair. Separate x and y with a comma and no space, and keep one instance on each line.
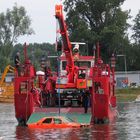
(8,68)
(66,43)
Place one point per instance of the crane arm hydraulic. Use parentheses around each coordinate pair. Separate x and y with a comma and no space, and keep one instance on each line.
(66,42)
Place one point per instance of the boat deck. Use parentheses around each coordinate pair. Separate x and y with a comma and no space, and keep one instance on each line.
(76,114)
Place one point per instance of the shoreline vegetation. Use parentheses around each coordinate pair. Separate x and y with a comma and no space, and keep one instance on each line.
(127,94)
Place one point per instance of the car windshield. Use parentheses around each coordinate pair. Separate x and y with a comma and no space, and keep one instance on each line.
(47,120)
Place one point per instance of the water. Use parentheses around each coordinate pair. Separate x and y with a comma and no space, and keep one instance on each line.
(126,127)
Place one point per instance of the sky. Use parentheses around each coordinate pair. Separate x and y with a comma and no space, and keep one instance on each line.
(42,13)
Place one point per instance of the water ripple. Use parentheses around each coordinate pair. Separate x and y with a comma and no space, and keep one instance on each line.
(126,127)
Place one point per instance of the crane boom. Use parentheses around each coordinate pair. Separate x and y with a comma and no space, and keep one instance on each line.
(8,68)
(66,42)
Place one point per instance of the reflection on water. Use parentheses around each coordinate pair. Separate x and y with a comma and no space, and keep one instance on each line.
(129,121)
(126,127)
(106,132)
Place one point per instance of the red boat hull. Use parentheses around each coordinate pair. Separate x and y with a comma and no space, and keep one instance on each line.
(104,109)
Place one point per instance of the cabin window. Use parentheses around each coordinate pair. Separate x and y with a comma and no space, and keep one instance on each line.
(23,87)
(57,121)
(47,120)
(77,63)
(82,74)
(84,64)
(98,88)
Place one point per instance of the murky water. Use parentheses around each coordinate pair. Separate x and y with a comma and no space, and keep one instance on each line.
(126,127)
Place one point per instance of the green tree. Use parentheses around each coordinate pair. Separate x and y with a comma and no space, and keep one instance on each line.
(136,29)
(13,24)
(97,20)
(42,50)
(35,52)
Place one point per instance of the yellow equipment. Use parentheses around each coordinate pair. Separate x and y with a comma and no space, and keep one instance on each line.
(6,88)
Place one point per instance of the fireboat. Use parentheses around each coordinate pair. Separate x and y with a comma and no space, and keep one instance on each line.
(82,89)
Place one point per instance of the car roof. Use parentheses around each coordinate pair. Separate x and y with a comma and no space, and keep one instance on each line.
(63,118)
(54,117)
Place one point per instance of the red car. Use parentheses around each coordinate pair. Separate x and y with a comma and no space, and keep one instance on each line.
(54,122)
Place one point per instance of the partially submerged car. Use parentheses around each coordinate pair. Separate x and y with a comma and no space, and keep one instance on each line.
(55,122)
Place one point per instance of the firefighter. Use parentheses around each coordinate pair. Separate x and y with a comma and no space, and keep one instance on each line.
(86,101)
(17,62)
(47,71)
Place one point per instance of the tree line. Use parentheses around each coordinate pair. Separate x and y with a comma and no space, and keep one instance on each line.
(87,21)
